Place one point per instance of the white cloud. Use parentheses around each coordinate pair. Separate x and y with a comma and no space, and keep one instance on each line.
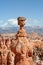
(5,24)
(1,22)
(12,21)
(9,23)
(34,22)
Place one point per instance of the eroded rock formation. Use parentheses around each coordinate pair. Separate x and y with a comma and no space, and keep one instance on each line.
(6,55)
(23,50)
(20,51)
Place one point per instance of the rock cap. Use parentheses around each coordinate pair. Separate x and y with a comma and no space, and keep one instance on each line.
(21,18)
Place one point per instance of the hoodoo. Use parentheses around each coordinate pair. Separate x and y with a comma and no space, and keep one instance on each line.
(22,48)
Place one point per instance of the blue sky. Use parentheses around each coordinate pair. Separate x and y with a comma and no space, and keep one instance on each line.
(11,9)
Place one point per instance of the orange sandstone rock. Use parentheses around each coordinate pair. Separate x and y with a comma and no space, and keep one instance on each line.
(22,48)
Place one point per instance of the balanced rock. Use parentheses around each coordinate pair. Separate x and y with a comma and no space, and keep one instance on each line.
(22,48)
